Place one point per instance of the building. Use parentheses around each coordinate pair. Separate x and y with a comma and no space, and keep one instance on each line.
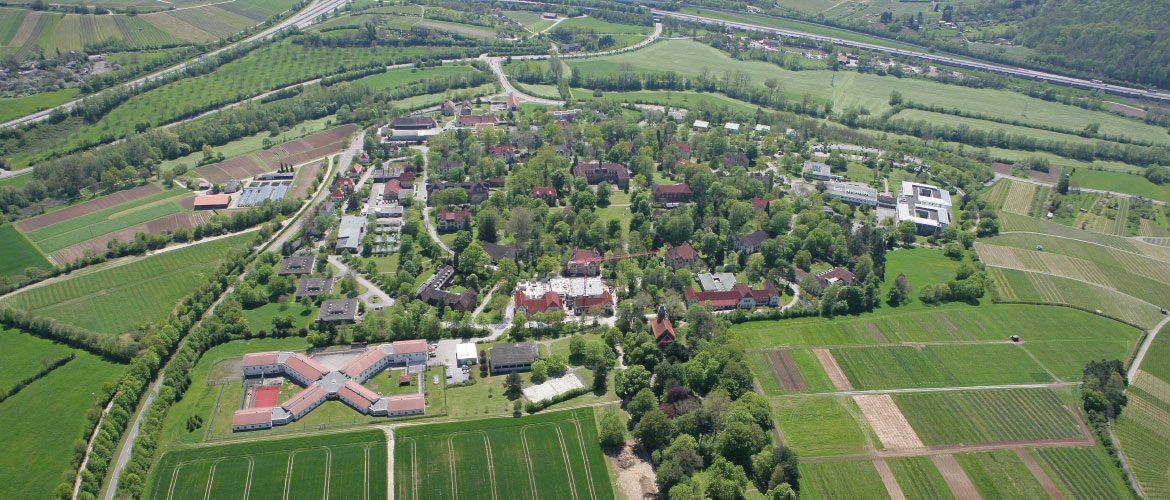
(512,102)
(759,204)
(671,193)
(355,170)
(701,126)
(445,166)
(476,120)
(661,328)
(337,196)
(504,358)
(312,287)
(763,129)
(231,187)
(350,233)
(465,354)
(731,128)
(507,153)
(682,256)
(749,243)
(684,149)
(432,292)
(347,184)
(403,405)
(583,263)
(477,191)
(499,252)
(820,171)
(597,172)
(740,296)
(887,201)
(583,303)
(212,201)
(338,311)
(736,159)
(252,419)
(857,193)
(716,282)
(548,194)
(548,302)
(364,158)
(326,208)
(570,47)
(413,123)
(453,221)
(297,265)
(929,207)
(837,275)
(391,190)
(448,108)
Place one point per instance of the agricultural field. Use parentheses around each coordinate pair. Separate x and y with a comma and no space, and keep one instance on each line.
(460,28)
(84,227)
(787,371)
(22,355)
(688,100)
(1026,286)
(17,253)
(533,21)
(113,298)
(823,426)
(847,479)
(919,478)
(402,77)
(1084,472)
(980,416)
(1136,185)
(1015,223)
(345,465)
(43,420)
(897,367)
(1001,475)
(1019,197)
(15,107)
(499,458)
(296,152)
(604,27)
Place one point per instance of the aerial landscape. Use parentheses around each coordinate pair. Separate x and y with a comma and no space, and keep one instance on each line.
(584,250)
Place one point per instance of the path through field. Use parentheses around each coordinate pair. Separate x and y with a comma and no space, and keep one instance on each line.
(956,479)
(889,480)
(1041,476)
(840,381)
(887,421)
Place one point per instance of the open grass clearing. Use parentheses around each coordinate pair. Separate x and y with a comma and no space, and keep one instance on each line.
(823,426)
(402,77)
(15,107)
(462,29)
(603,27)
(18,254)
(22,355)
(848,479)
(1118,182)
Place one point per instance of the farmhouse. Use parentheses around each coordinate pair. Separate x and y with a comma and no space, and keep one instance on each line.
(672,193)
(350,233)
(580,264)
(297,264)
(312,287)
(750,242)
(212,201)
(681,256)
(595,173)
(740,296)
(338,311)
(857,193)
(512,357)
(929,207)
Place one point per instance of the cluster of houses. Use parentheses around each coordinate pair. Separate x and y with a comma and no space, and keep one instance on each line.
(433,291)
(322,384)
(574,295)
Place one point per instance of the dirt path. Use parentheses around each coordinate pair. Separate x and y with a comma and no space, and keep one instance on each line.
(840,381)
(956,479)
(1041,476)
(889,480)
(389,462)
(888,422)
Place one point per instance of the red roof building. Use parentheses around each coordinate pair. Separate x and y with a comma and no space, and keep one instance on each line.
(391,189)
(580,263)
(548,194)
(759,204)
(662,329)
(837,275)
(347,184)
(505,152)
(337,195)
(513,102)
(407,179)
(305,367)
(681,256)
(252,418)
(550,301)
(364,158)
(672,193)
(582,303)
(355,170)
(212,201)
(404,404)
(402,347)
(476,120)
(453,221)
(596,172)
(357,396)
(740,296)
(684,148)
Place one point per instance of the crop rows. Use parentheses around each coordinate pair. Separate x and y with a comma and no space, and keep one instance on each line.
(103,228)
(1000,475)
(847,479)
(1144,441)
(1085,472)
(919,478)
(1140,286)
(17,254)
(987,416)
(1019,198)
(893,367)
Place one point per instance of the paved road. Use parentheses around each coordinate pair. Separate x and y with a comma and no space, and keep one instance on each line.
(89,447)
(420,195)
(372,290)
(355,147)
(301,19)
(1137,360)
(4,174)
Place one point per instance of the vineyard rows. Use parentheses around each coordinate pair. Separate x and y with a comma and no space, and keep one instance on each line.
(987,416)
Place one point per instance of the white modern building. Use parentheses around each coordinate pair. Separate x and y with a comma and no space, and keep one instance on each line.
(857,193)
(928,206)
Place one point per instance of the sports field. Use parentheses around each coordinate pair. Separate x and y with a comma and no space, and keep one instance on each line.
(114,298)
(550,455)
(343,465)
(42,421)
(17,253)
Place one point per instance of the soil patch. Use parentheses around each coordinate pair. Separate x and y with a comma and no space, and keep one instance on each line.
(1049,177)
(836,375)
(785,368)
(100,244)
(889,480)
(1001,168)
(1127,110)
(887,421)
(307,175)
(80,209)
(1041,476)
(635,475)
(876,333)
(956,479)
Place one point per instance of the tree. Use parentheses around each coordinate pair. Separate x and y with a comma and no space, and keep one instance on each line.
(576,347)
(739,441)
(539,371)
(895,98)
(631,381)
(613,429)
(727,480)
(642,403)
(654,430)
(512,384)
(473,259)
(907,232)
(1062,184)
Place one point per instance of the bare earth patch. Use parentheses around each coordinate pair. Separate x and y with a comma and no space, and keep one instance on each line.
(635,475)
(887,421)
(102,203)
(840,381)
(785,368)
(889,480)
(956,479)
(1041,476)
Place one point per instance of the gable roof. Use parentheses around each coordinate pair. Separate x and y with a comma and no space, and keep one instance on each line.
(752,239)
(662,329)
(549,300)
(681,252)
(838,274)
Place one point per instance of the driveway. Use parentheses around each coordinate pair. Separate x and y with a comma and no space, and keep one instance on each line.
(374,297)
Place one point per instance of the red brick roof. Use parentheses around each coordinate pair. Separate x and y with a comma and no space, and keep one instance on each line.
(410,346)
(498,151)
(477,120)
(759,204)
(671,189)
(587,301)
(406,177)
(310,369)
(252,416)
(684,147)
(542,192)
(357,395)
(839,273)
(261,358)
(392,186)
(454,216)
(681,252)
(732,297)
(212,200)
(663,330)
(304,399)
(404,402)
(579,254)
(550,300)
(364,360)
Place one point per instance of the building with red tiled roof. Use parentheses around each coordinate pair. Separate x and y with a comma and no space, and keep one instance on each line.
(580,264)
(512,102)
(364,158)
(740,296)
(347,184)
(596,172)
(357,396)
(582,303)
(662,329)
(760,204)
(304,402)
(454,220)
(252,419)
(671,193)
(391,189)
(212,201)
(365,365)
(505,152)
(402,405)
(337,196)
(262,363)
(684,149)
(837,275)
(548,194)
(681,256)
(476,120)
(550,301)
(355,170)
(304,369)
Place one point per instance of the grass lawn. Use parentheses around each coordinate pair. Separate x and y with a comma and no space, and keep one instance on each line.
(1121,183)
(444,460)
(823,426)
(43,421)
(15,107)
(261,317)
(603,27)
(114,299)
(22,355)
(922,267)
(17,253)
(353,462)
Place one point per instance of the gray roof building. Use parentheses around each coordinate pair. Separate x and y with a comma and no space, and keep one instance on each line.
(297,264)
(351,232)
(512,357)
(339,311)
(312,287)
(716,282)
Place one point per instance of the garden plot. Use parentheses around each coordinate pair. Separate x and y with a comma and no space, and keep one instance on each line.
(1036,416)
(295,152)
(1019,198)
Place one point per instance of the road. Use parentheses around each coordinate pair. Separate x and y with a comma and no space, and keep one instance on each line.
(1029,74)
(355,146)
(301,19)
(89,447)
(4,174)
(372,290)
(1137,360)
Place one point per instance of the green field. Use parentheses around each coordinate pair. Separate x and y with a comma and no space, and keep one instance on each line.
(1000,475)
(1144,436)
(1084,472)
(15,107)
(531,20)
(834,480)
(500,458)
(17,253)
(931,117)
(823,426)
(954,417)
(102,227)
(603,27)
(345,465)
(402,77)
(43,420)
(897,367)
(463,29)
(113,299)
(22,355)
(919,478)
(671,98)
(806,363)
(1121,183)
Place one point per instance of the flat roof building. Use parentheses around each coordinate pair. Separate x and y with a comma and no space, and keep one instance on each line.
(338,311)
(350,233)
(512,357)
(857,193)
(297,264)
(312,287)
(929,207)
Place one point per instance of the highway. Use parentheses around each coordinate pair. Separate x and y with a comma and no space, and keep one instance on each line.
(301,19)
(1029,74)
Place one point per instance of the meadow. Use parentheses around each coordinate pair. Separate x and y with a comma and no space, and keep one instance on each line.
(1084,472)
(531,20)
(461,28)
(1121,183)
(869,91)
(848,479)
(15,107)
(1000,475)
(498,458)
(340,465)
(671,98)
(43,420)
(823,426)
(978,416)
(402,77)
(17,253)
(603,27)
(22,355)
(116,298)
